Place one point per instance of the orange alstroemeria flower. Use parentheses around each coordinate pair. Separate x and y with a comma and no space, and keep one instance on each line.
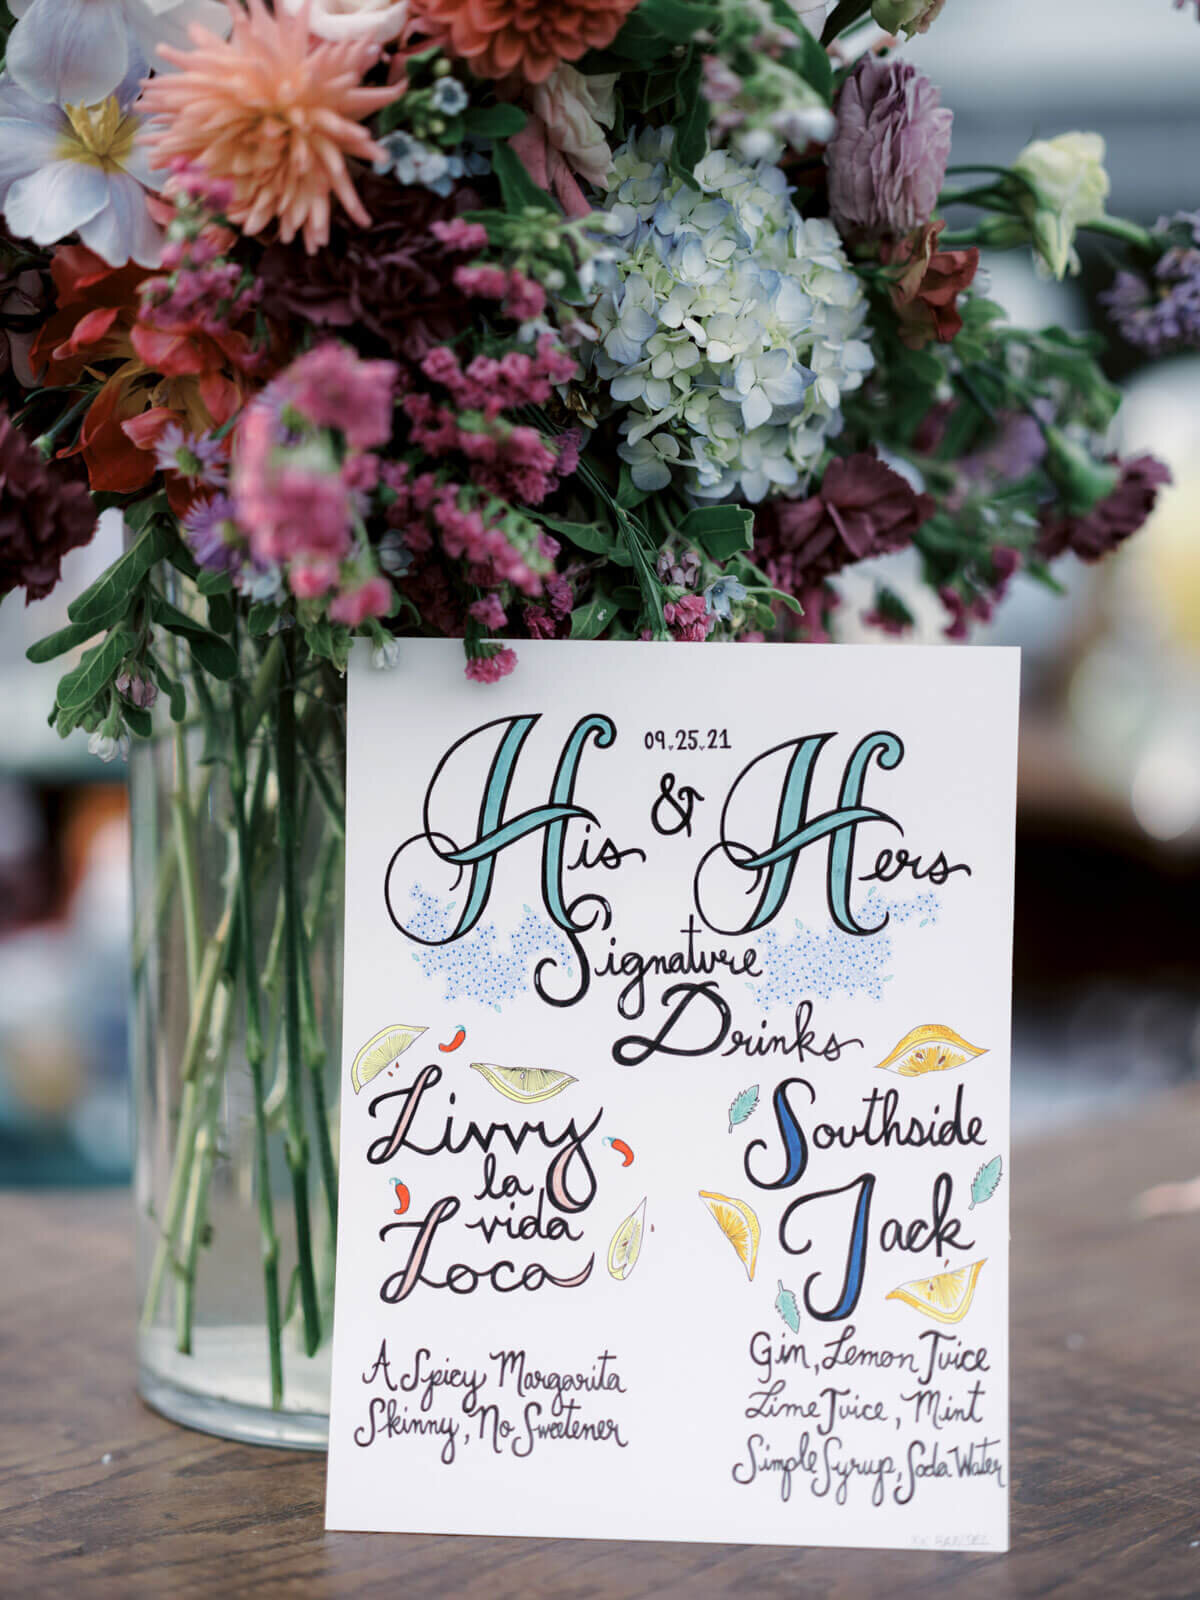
(184,375)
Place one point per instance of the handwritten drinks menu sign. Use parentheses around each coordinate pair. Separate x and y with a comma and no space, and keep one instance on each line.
(675,1106)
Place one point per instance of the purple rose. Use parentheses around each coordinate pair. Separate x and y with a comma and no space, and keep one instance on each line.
(888,157)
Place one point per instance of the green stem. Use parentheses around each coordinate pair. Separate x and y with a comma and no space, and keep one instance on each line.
(1127,232)
(46,440)
(296,1141)
(269,1239)
(183,826)
(314,1055)
(189,1110)
(332,803)
(195,1213)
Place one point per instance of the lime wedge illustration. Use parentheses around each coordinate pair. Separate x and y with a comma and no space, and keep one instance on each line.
(524,1084)
(379,1052)
(626,1243)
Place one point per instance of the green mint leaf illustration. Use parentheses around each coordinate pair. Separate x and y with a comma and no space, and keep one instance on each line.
(743,1106)
(986,1182)
(785,1304)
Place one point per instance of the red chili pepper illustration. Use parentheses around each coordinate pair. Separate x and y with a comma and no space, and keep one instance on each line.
(402,1195)
(455,1042)
(623,1151)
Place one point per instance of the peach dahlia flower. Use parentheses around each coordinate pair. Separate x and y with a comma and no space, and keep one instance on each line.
(275,111)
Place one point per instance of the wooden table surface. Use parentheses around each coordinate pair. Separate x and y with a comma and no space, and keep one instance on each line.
(99,1496)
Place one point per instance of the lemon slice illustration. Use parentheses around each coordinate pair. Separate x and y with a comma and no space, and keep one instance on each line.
(524,1084)
(930,1048)
(739,1225)
(946,1297)
(381,1051)
(626,1243)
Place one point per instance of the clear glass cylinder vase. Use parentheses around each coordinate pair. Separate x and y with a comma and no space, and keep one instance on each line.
(237,874)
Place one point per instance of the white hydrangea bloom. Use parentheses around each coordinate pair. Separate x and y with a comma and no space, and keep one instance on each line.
(729,325)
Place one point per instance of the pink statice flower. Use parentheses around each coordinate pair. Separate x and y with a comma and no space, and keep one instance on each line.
(459,234)
(370,598)
(488,612)
(491,668)
(689,618)
(332,387)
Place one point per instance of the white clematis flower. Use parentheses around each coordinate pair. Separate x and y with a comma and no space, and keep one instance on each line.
(78,169)
(76,52)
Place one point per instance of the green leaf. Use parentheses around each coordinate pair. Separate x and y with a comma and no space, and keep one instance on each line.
(720,531)
(57,644)
(138,720)
(986,1181)
(691,126)
(677,20)
(787,1307)
(493,122)
(220,613)
(330,641)
(843,16)
(105,600)
(743,1106)
(174,691)
(261,620)
(218,658)
(517,187)
(589,536)
(213,582)
(93,674)
(590,621)
(637,41)
(214,654)
(808,56)
(629,496)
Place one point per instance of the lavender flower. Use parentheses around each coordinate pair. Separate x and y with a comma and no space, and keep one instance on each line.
(212,535)
(200,459)
(888,157)
(1161,313)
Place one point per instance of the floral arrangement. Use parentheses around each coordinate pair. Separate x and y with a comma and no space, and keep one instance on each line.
(593,320)
(599,319)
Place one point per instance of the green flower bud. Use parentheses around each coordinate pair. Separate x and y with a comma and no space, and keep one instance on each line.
(1082,480)
(1065,186)
(906,16)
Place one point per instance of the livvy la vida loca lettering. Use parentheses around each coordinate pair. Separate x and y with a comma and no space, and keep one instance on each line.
(697,1018)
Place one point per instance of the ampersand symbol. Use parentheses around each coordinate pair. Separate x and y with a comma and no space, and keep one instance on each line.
(680,805)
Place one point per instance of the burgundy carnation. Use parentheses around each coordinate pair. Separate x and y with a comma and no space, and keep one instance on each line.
(888,157)
(862,509)
(45,510)
(1111,522)
(393,280)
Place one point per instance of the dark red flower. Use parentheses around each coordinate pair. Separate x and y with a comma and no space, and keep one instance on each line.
(1111,522)
(392,282)
(862,509)
(45,510)
(927,284)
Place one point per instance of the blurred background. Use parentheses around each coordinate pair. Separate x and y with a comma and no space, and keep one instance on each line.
(1109,816)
